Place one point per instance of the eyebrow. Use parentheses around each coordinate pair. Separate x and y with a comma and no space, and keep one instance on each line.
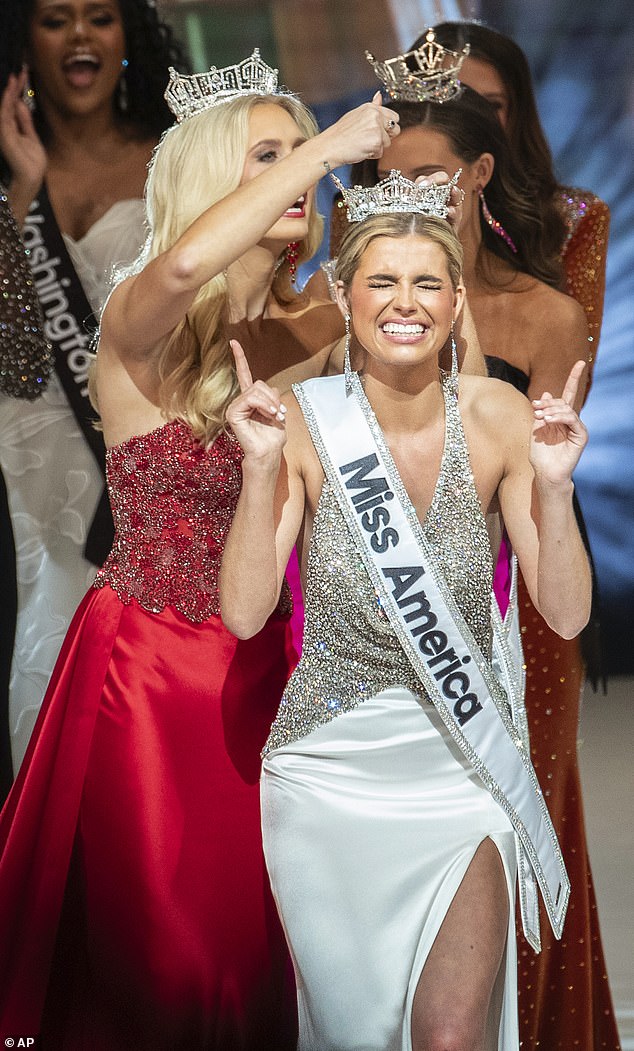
(391,277)
(274,142)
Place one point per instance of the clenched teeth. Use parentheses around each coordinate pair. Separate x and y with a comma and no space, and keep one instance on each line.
(396,329)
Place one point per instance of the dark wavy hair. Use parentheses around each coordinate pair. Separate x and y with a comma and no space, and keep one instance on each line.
(472,128)
(524,131)
(150,48)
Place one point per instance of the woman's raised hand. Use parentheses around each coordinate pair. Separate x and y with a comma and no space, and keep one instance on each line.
(20,144)
(456,197)
(558,435)
(360,134)
(257,417)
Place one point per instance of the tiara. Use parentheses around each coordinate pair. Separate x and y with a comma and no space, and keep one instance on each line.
(189,95)
(428,74)
(395,193)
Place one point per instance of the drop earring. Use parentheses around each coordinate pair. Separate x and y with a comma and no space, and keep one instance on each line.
(123,88)
(347,367)
(28,94)
(495,224)
(292,255)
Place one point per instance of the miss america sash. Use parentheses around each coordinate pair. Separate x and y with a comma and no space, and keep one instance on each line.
(456,675)
(70,325)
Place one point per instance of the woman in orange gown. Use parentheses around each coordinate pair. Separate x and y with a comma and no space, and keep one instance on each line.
(564,995)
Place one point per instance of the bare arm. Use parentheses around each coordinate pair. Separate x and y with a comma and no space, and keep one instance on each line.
(563,341)
(536,500)
(148,306)
(269,511)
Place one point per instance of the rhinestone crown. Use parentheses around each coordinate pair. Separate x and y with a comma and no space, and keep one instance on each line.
(428,74)
(395,193)
(188,95)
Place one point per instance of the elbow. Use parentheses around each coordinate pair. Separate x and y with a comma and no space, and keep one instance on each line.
(242,629)
(182,264)
(570,623)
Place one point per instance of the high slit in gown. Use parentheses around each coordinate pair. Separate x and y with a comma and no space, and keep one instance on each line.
(371,815)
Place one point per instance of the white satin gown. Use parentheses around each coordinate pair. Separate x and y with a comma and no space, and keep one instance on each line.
(371,815)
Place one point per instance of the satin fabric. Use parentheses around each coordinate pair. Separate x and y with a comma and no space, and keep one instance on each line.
(370,823)
(134,901)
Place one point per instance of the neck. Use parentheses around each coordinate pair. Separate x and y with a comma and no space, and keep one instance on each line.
(249,282)
(89,133)
(405,400)
(471,238)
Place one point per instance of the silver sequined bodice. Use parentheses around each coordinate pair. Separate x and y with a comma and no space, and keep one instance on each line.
(350,650)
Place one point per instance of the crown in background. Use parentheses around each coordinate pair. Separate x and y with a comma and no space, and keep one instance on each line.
(395,193)
(428,74)
(188,95)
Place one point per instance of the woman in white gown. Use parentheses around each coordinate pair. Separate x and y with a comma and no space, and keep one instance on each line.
(390,826)
(76,165)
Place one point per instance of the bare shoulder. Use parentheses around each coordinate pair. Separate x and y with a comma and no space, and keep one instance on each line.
(492,408)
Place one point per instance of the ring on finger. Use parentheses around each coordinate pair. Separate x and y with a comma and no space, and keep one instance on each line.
(390,124)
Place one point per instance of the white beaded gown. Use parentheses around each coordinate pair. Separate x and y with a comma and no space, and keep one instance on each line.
(53,485)
(371,815)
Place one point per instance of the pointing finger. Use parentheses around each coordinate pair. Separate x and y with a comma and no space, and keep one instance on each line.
(572,383)
(243,371)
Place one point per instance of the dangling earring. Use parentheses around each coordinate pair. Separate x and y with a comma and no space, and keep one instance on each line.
(123,88)
(28,95)
(347,367)
(292,255)
(495,225)
(454,361)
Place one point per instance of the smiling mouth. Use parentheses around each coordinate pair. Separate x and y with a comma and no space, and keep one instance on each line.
(398,328)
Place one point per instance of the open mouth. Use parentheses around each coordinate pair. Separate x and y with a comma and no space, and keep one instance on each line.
(298,210)
(81,69)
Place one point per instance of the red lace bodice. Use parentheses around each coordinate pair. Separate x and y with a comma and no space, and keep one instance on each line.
(172,503)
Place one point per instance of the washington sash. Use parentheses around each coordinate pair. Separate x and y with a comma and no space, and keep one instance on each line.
(459,680)
(70,326)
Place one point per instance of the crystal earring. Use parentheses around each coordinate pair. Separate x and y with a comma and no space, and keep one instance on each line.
(495,225)
(347,367)
(123,88)
(28,96)
(292,255)
(454,361)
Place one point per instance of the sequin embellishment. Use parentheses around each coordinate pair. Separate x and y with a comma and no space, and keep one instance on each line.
(173,502)
(26,357)
(350,651)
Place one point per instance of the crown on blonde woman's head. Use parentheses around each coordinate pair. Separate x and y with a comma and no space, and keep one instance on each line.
(189,95)
(428,74)
(395,193)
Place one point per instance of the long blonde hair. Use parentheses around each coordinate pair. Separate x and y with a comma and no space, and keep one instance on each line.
(196,164)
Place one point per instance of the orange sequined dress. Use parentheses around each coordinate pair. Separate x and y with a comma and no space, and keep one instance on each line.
(564,996)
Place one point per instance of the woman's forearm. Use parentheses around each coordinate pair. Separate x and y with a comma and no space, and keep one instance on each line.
(564,580)
(249,578)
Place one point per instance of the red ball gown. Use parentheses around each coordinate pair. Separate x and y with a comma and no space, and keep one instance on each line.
(135,908)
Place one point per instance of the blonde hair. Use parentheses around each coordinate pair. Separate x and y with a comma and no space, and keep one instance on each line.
(196,164)
(397,224)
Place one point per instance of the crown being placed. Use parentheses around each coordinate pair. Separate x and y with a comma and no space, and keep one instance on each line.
(188,95)
(428,74)
(395,193)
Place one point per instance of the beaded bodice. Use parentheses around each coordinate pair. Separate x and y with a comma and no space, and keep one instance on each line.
(350,651)
(172,501)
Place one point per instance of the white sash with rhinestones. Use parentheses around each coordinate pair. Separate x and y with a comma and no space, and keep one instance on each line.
(457,677)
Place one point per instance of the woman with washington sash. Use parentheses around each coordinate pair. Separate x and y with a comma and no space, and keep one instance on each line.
(396,783)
